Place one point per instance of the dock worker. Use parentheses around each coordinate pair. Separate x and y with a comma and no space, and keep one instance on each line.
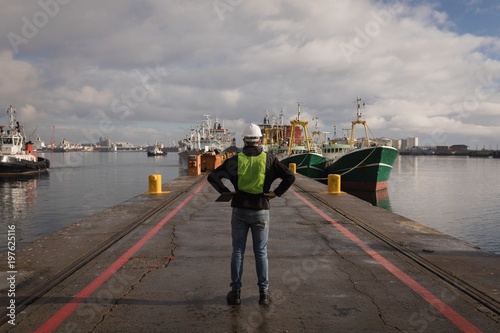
(252,173)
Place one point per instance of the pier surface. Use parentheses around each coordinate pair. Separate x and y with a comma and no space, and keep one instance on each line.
(160,263)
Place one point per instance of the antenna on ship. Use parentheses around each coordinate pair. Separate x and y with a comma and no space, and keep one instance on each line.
(366,141)
(266,118)
(11,110)
(298,110)
(358,108)
(317,131)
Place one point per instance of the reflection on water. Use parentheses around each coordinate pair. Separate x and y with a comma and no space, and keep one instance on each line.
(376,198)
(78,185)
(18,200)
(456,195)
(17,195)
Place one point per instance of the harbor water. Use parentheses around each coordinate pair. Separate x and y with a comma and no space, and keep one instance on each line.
(455,195)
(78,185)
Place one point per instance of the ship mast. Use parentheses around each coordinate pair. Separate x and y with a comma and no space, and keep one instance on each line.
(295,123)
(11,110)
(359,121)
(317,131)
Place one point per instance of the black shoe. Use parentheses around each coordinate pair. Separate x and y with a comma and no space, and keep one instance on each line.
(233,297)
(265,296)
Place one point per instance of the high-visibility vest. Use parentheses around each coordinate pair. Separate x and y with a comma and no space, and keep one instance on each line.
(251,173)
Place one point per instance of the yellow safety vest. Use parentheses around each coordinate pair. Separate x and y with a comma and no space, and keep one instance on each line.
(251,173)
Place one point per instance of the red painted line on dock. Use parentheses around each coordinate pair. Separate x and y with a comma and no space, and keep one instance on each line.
(53,322)
(457,319)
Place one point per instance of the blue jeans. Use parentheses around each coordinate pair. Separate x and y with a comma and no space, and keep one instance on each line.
(241,221)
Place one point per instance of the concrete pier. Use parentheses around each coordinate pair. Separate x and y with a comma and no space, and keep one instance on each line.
(160,263)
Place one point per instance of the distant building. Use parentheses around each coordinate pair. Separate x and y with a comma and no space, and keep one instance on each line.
(442,150)
(412,142)
(104,142)
(409,143)
(396,144)
(459,148)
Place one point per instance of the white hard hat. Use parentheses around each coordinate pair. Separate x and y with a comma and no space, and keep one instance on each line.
(252,133)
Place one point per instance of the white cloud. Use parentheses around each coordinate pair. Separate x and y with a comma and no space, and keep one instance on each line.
(86,95)
(16,76)
(28,113)
(138,63)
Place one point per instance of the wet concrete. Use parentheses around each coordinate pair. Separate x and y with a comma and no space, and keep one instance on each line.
(327,274)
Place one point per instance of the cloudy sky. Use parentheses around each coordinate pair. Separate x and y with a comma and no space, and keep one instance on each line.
(146,71)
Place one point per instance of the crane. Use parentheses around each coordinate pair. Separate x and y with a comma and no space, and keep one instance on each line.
(32,133)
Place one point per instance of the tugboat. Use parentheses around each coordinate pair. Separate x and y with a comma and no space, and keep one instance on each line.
(156,150)
(17,157)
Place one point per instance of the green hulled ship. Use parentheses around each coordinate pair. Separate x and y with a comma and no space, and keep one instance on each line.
(366,169)
(367,166)
(308,164)
(301,150)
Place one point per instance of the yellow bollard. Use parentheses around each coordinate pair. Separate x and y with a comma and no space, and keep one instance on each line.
(155,184)
(293,167)
(334,184)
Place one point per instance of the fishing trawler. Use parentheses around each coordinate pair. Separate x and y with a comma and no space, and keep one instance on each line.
(17,157)
(368,165)
(301,150)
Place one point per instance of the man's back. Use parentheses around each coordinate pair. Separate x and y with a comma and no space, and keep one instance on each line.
(274,169)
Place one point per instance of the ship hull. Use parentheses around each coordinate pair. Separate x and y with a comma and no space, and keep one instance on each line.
(11,166)
(365,169)
(184,156)
(154,154)
(311,165)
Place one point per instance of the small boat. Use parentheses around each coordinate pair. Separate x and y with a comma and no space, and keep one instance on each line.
(368,165)
(17,157)
(156,150)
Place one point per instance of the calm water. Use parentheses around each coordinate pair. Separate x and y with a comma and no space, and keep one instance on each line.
(456,195)
(77,186)
(459,196)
